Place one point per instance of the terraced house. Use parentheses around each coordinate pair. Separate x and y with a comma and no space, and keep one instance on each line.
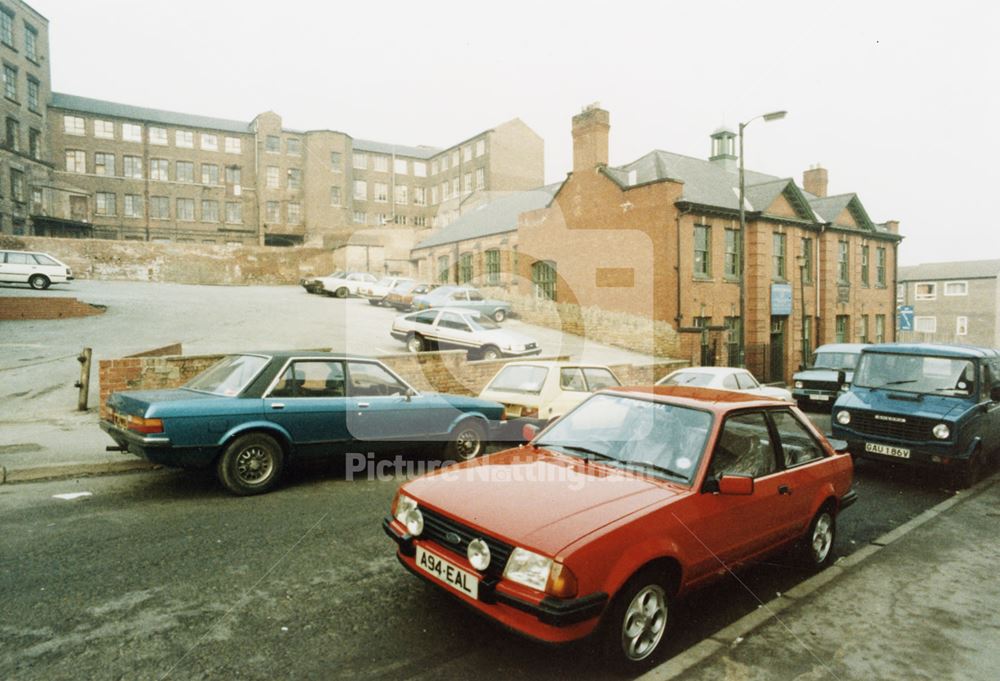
(77,166)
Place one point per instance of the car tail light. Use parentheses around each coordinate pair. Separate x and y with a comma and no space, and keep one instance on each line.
(138,424)
(562,582)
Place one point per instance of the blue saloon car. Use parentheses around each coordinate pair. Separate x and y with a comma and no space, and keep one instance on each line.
(462,297)
(251,414)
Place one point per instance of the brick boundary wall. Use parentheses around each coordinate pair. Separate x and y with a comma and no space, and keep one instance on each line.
(447,371)
(45,307)
(180,263)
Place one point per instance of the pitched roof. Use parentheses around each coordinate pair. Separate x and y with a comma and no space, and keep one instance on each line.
(495,217)
(100,107)
(965,269)
(421,152)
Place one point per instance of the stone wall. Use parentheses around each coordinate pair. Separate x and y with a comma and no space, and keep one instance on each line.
(45,307)
(180,262)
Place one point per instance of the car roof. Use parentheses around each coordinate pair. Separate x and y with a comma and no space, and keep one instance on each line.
(703,398)
(842,347)
(556,364)
(715,371)
(306,354)
(940,350)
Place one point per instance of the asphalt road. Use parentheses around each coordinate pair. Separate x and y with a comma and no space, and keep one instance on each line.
(164,575)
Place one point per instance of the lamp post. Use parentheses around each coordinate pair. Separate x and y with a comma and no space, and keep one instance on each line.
(772,116)
(801,259)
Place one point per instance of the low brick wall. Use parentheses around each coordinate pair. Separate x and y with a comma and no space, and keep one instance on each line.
(447,371)
(180,262)
(45,307)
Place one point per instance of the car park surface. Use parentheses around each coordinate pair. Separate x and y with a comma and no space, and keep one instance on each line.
(630,500)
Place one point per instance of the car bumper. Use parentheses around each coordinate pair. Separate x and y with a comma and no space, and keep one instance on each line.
(523,353)
(817,397)
(158,448)
(922,454)
(399,335)
(550,620)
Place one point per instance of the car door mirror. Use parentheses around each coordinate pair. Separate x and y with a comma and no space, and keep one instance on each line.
(529,431)
(736,485)
(410,394)
(841,378)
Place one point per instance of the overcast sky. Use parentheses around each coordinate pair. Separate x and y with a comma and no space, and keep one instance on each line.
(899,101)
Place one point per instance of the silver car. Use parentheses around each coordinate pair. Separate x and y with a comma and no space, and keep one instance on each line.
(451,328)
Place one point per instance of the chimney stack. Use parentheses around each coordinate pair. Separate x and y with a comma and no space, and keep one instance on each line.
(814,180)
(590,138)
(892,226)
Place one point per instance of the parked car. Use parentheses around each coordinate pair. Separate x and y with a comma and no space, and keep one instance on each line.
(37,270)
(376,293)
(628,502)
(828,374)
(537,392)
(935,406)
(347,284)
(461,329)
(724,378)
(251,414)
(315,285)
(464,297)
(401,296)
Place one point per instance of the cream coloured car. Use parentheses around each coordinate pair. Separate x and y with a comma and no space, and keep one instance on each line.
(545,390)
(38,270)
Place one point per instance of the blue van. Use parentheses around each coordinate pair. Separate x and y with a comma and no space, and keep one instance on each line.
(923,404)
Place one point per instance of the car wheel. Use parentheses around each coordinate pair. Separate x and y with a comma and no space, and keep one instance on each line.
(491,352)
(499,315)
(39,281)
(973,470)
(340,292)
(817,545)
(636,622)
(414,342)
(374,301)
(468,440)
(251,464)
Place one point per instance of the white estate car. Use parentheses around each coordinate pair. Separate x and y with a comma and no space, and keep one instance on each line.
(38,270)
(346,284)
(448,328)
(376,292)
(546,390)
(724,378)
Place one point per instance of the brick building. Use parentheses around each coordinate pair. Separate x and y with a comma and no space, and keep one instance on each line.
(659,238)
(953,302)
(103,169)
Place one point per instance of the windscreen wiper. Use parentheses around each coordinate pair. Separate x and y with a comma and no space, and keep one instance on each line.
(587,453)
(652,466)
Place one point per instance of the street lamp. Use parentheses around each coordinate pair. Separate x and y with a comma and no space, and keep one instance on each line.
(773,116)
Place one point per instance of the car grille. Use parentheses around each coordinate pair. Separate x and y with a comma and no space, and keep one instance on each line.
(829,386)
(915,428)
(437,526)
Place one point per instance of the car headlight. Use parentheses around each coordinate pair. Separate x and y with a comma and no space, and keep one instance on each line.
(528,568)
(843,417)
(478,554)
(799,385)
(942,431)
(409,514)
(845,387)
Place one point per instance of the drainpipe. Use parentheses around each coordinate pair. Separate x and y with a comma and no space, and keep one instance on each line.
(819,284)
(677,268)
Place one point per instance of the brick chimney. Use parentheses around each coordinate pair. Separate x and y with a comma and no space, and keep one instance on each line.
(814,180)
(892,226)
(590,138)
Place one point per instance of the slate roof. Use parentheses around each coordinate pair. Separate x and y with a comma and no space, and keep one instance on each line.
(829,207)
(421,152)
(495,217)
(965,269)
(99,107)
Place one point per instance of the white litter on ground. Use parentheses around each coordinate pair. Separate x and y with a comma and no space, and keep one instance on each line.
(72,495)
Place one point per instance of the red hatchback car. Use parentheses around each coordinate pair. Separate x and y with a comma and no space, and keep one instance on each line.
(635,497)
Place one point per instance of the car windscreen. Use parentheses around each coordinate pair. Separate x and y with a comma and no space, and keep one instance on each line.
(632,433)
(229,376)
(835,360)
(694,378)
(519,379)
(917,374)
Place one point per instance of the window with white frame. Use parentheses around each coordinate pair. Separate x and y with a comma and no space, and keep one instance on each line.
(104,129)
(480,148)
(480,178)
(925,324)
(925,291)
(402,195)
(381,163)
(104,164)
(159,169)
(273,177)
(467,183)
(961,326)
(273,212)
(419,196)
(294,210)
(467,154)
(209,210)
(133,206)
(184,172)
(234,145)
(132,167)
(159,207)
(359,217)
(184,139)
(76,161)
(10,82)
(272,144)
(381,192)
(956,288)
(209,142)
(419,169)
(73,125)
(131,132)
(359,160)
(360,190)
(900,293)
(209,173)
(185,210)
(400,166)
(234,177)
(294,178)
(105,203)
(293,145)
(158,136)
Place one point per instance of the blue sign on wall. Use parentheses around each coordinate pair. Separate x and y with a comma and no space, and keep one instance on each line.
(781,299)
(905,317)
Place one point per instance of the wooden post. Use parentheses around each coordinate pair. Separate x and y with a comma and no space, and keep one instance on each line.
(84,383)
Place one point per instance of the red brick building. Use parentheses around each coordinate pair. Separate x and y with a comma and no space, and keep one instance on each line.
(659,238)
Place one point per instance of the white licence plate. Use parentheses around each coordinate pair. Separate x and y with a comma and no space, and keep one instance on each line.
(819,398)
(452,575)
(885,450)
(512,411)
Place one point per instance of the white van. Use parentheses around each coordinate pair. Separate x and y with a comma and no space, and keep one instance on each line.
(38,270)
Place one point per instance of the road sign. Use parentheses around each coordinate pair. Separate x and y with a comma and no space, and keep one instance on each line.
(905,317)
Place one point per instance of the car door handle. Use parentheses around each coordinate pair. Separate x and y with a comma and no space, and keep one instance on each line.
(277,405)
(785,489)
(363,405)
